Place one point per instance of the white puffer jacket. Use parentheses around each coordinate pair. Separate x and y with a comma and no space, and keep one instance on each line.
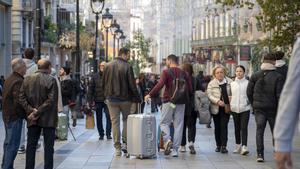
(239,101)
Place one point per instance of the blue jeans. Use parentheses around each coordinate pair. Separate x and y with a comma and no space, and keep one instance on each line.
(100,108)
(11,143)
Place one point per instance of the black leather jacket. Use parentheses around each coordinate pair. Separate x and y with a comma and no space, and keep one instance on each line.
(119,83)
(40,91)
(96,90)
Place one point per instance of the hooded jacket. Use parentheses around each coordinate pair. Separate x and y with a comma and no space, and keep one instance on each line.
(31,67)
(264,89)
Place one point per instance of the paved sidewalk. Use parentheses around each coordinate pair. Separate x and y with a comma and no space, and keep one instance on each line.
(90,153)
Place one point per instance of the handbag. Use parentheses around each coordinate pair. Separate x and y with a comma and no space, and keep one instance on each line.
(227,108)
(90,121)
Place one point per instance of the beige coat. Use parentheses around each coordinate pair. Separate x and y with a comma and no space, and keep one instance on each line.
(214,94)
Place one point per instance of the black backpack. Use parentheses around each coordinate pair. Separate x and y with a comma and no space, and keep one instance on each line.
(179,90)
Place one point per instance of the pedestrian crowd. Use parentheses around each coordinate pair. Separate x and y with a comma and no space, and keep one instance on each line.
(34,96)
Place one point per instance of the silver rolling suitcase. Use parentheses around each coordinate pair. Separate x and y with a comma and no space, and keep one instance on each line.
(141,135)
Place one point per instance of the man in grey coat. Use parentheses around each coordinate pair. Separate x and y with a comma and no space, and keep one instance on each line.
(288,112)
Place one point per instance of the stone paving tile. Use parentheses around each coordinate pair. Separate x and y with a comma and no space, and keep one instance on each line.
(90,153)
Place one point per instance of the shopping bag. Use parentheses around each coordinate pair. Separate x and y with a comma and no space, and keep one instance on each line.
(90,121)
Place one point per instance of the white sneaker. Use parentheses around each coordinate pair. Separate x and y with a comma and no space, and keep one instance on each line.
(237,149)
(118,152)
(182,149)
(244,150)
(175,153)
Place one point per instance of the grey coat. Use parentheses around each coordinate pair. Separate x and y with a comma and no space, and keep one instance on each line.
(289,105)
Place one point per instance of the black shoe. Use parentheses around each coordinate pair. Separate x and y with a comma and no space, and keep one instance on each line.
(208,126)
(192,149)
(108,137)
(218,149)
(101,138)
(224,150)
(260,158)
(74,122)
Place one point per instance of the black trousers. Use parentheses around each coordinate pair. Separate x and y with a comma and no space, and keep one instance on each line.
(101,108)
(241,121)
(190,123)
(221,127)
(33,136)
(261,122)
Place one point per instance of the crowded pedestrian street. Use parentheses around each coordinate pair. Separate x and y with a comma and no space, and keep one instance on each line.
(150,84)
(87,152)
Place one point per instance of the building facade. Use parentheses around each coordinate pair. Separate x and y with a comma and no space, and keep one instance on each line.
(5,37)
(223,35)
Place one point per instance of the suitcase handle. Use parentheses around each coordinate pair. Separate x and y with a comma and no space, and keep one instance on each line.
(139,107)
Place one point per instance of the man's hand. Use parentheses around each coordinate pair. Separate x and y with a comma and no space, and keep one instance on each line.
(147,98)
(33,115)
(283,160)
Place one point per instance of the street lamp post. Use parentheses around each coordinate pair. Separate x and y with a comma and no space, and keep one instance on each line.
(123,37)
(119,33)
(107,22)
(97,7)
(114,30)
(38,30)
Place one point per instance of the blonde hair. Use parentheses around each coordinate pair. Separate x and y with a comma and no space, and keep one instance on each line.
(217,67)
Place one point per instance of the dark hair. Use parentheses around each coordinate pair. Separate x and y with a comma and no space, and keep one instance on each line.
(279,55)
(173,58)
(187,67)
(67,70)
(269,57)
(241,66)
(29,53)
(123,51)
(44,64)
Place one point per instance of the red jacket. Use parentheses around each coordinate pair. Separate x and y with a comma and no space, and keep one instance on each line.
(166,80)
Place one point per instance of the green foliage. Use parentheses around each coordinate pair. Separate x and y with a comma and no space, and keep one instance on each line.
(256,57)
(280,17)
(50,31)
(142,46)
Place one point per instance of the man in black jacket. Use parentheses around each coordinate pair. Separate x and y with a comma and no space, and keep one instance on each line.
(39,96)
(96,95)
(13,113)
(263,92)
(120,91)
(281,66)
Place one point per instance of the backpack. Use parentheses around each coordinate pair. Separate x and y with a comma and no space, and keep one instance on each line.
(179,90)
(202,107)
